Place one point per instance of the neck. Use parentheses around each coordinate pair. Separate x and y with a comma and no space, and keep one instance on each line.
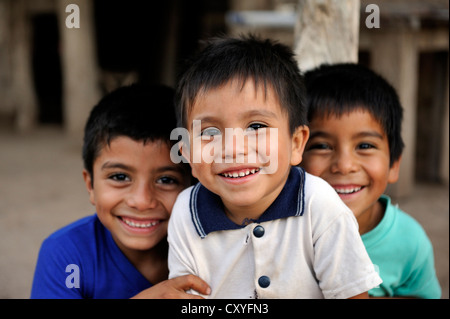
(369,219)
(244,215)
(152,264)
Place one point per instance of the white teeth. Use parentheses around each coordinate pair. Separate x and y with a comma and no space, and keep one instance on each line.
(241,174)
(348,190)
(140,225)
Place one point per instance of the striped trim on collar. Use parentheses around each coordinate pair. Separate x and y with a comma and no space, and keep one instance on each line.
(208,215)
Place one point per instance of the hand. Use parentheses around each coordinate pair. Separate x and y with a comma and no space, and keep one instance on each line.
(176,288)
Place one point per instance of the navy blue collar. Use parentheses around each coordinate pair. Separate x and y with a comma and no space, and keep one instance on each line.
(208,214)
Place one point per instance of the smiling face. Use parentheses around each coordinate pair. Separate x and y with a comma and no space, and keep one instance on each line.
(351,153)
(135,187)
(241,168)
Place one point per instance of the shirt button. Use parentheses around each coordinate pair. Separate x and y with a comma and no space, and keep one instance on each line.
(258,231)
(264,281)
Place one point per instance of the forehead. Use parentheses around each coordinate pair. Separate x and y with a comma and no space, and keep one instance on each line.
(131,150)
(354,120)
(236,95)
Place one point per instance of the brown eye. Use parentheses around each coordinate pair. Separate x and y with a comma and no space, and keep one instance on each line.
(120,177)
(167,180)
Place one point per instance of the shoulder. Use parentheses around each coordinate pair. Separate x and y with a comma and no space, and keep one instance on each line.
(406,227)
(315,184)
(181,219)
(76,236)
(185,195)
(321,198)
(182,203)
(323,206)
(71,246)
(81,227)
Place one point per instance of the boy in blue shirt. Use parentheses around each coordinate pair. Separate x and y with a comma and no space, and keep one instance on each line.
(121,251)
(356,146)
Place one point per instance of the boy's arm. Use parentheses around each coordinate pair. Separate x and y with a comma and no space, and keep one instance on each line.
(364,295)
(176,288)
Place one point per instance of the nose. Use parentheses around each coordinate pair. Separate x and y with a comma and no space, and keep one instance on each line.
(234,145)
(344,162)
(142,197)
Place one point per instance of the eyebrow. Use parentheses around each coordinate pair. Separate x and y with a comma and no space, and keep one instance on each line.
(169,168)
(248,114)
(359,135)
(258,112)
(117,165)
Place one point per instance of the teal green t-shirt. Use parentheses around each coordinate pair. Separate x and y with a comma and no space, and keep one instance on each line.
(403,255)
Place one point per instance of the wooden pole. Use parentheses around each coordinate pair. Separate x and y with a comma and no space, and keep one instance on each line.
(326,31)
(80,70)
(23,89)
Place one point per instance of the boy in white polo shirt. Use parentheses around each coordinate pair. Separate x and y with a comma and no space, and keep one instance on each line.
(256,226)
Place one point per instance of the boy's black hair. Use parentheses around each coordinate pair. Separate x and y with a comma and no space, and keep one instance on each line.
(341,88)
(266,62)
(140,112)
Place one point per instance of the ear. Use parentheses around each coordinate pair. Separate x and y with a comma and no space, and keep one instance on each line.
(90,188)
(394,171)
(299,139)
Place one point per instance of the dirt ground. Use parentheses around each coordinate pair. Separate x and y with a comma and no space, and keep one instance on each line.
(42,190)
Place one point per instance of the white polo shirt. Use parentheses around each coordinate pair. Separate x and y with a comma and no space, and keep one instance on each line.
(305,245)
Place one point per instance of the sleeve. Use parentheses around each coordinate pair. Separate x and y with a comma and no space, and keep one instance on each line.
(421,280)
(57,273)
(341,263)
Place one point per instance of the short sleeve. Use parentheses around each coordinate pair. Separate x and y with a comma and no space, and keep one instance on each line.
(341,261)
(57,272)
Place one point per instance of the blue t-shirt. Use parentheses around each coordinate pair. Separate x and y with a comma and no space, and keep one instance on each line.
(82,260)
(402,253)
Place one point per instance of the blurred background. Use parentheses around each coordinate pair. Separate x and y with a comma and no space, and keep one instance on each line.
(51,74)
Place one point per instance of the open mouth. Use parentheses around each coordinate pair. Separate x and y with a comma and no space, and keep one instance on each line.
(346,191)
(240,173)
(139,224)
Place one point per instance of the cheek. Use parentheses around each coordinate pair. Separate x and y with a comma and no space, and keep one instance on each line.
(378,169)
(167,199)
(105,200)
(197,169)
(313,165)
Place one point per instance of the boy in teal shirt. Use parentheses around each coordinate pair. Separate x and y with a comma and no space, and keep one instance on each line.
(356,145)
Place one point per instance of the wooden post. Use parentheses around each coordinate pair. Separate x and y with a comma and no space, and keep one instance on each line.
(23,90)
(6,100)
(444,169)
(394,56)
(80,75)
(326,31)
